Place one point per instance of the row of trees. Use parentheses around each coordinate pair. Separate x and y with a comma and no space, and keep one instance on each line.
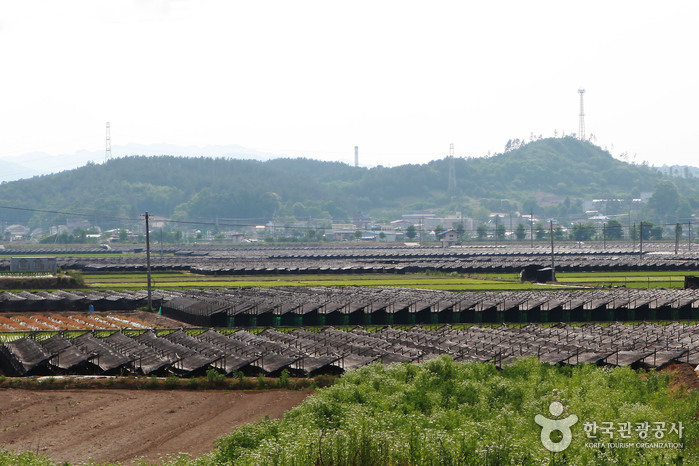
(587,231)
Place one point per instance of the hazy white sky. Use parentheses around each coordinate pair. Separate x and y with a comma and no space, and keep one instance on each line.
(400,79)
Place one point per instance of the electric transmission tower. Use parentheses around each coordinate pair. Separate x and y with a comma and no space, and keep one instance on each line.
(108,152)
(452,171)
(581,131)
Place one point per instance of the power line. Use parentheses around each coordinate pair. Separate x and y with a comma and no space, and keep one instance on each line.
(75,214)
(250,223)
(131,219)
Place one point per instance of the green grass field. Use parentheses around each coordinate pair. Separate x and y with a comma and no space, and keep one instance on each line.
(187,280)
(443,412)
(605,279)
(435,281)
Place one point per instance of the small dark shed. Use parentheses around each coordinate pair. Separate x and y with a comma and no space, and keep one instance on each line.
(691,282)
(545,275)
(529,272)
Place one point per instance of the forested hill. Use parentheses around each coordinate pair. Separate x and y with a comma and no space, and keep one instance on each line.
(565,167)
(188,188)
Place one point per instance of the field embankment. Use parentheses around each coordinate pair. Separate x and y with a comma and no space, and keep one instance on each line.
(41,282)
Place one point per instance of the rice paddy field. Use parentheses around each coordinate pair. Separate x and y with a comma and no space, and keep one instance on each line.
(435,281)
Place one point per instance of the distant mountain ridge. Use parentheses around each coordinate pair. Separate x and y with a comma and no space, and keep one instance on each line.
(40,163)
(257,191)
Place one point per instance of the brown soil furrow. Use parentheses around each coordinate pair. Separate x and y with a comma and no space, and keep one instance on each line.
(128,425)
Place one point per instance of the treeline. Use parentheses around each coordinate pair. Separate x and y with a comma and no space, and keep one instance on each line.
(564,171)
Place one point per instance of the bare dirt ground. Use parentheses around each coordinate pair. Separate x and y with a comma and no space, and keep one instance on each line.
(683,376)
(126,426)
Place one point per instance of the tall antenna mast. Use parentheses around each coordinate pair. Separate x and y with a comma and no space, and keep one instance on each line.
(581,131)
(452,170)
(108,153)
(356,156)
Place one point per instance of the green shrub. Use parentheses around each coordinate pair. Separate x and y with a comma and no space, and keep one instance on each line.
(444,412)
(153,383)
(215,378)
(193,384)
(25,458)
(283,380)
(171,382)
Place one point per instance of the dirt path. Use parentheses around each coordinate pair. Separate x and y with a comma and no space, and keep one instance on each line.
(128,425)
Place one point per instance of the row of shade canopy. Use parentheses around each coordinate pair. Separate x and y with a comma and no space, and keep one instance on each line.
(301,351)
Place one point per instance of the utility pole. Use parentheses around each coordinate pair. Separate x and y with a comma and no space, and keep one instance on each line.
(640,244)
(689,236)
(512,232)
(531,227)
(604,235)
(496,229)
(150,297)
(630,233)
(553,265)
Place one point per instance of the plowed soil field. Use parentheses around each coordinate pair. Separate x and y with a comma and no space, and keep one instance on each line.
(112,425)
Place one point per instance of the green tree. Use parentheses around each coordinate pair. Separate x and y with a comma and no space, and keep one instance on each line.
(481,231)
(438,230)
(482,214)
(539,231)
(123,235)
(460,230)
(614,230)
(500,231)
(80,235)
(656,232)
(583,231)
(299,210)
(529,204)
(411,232)
(684,209)
(358,234)
(520,232)
(633,232)
(665,200)
(558,233)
